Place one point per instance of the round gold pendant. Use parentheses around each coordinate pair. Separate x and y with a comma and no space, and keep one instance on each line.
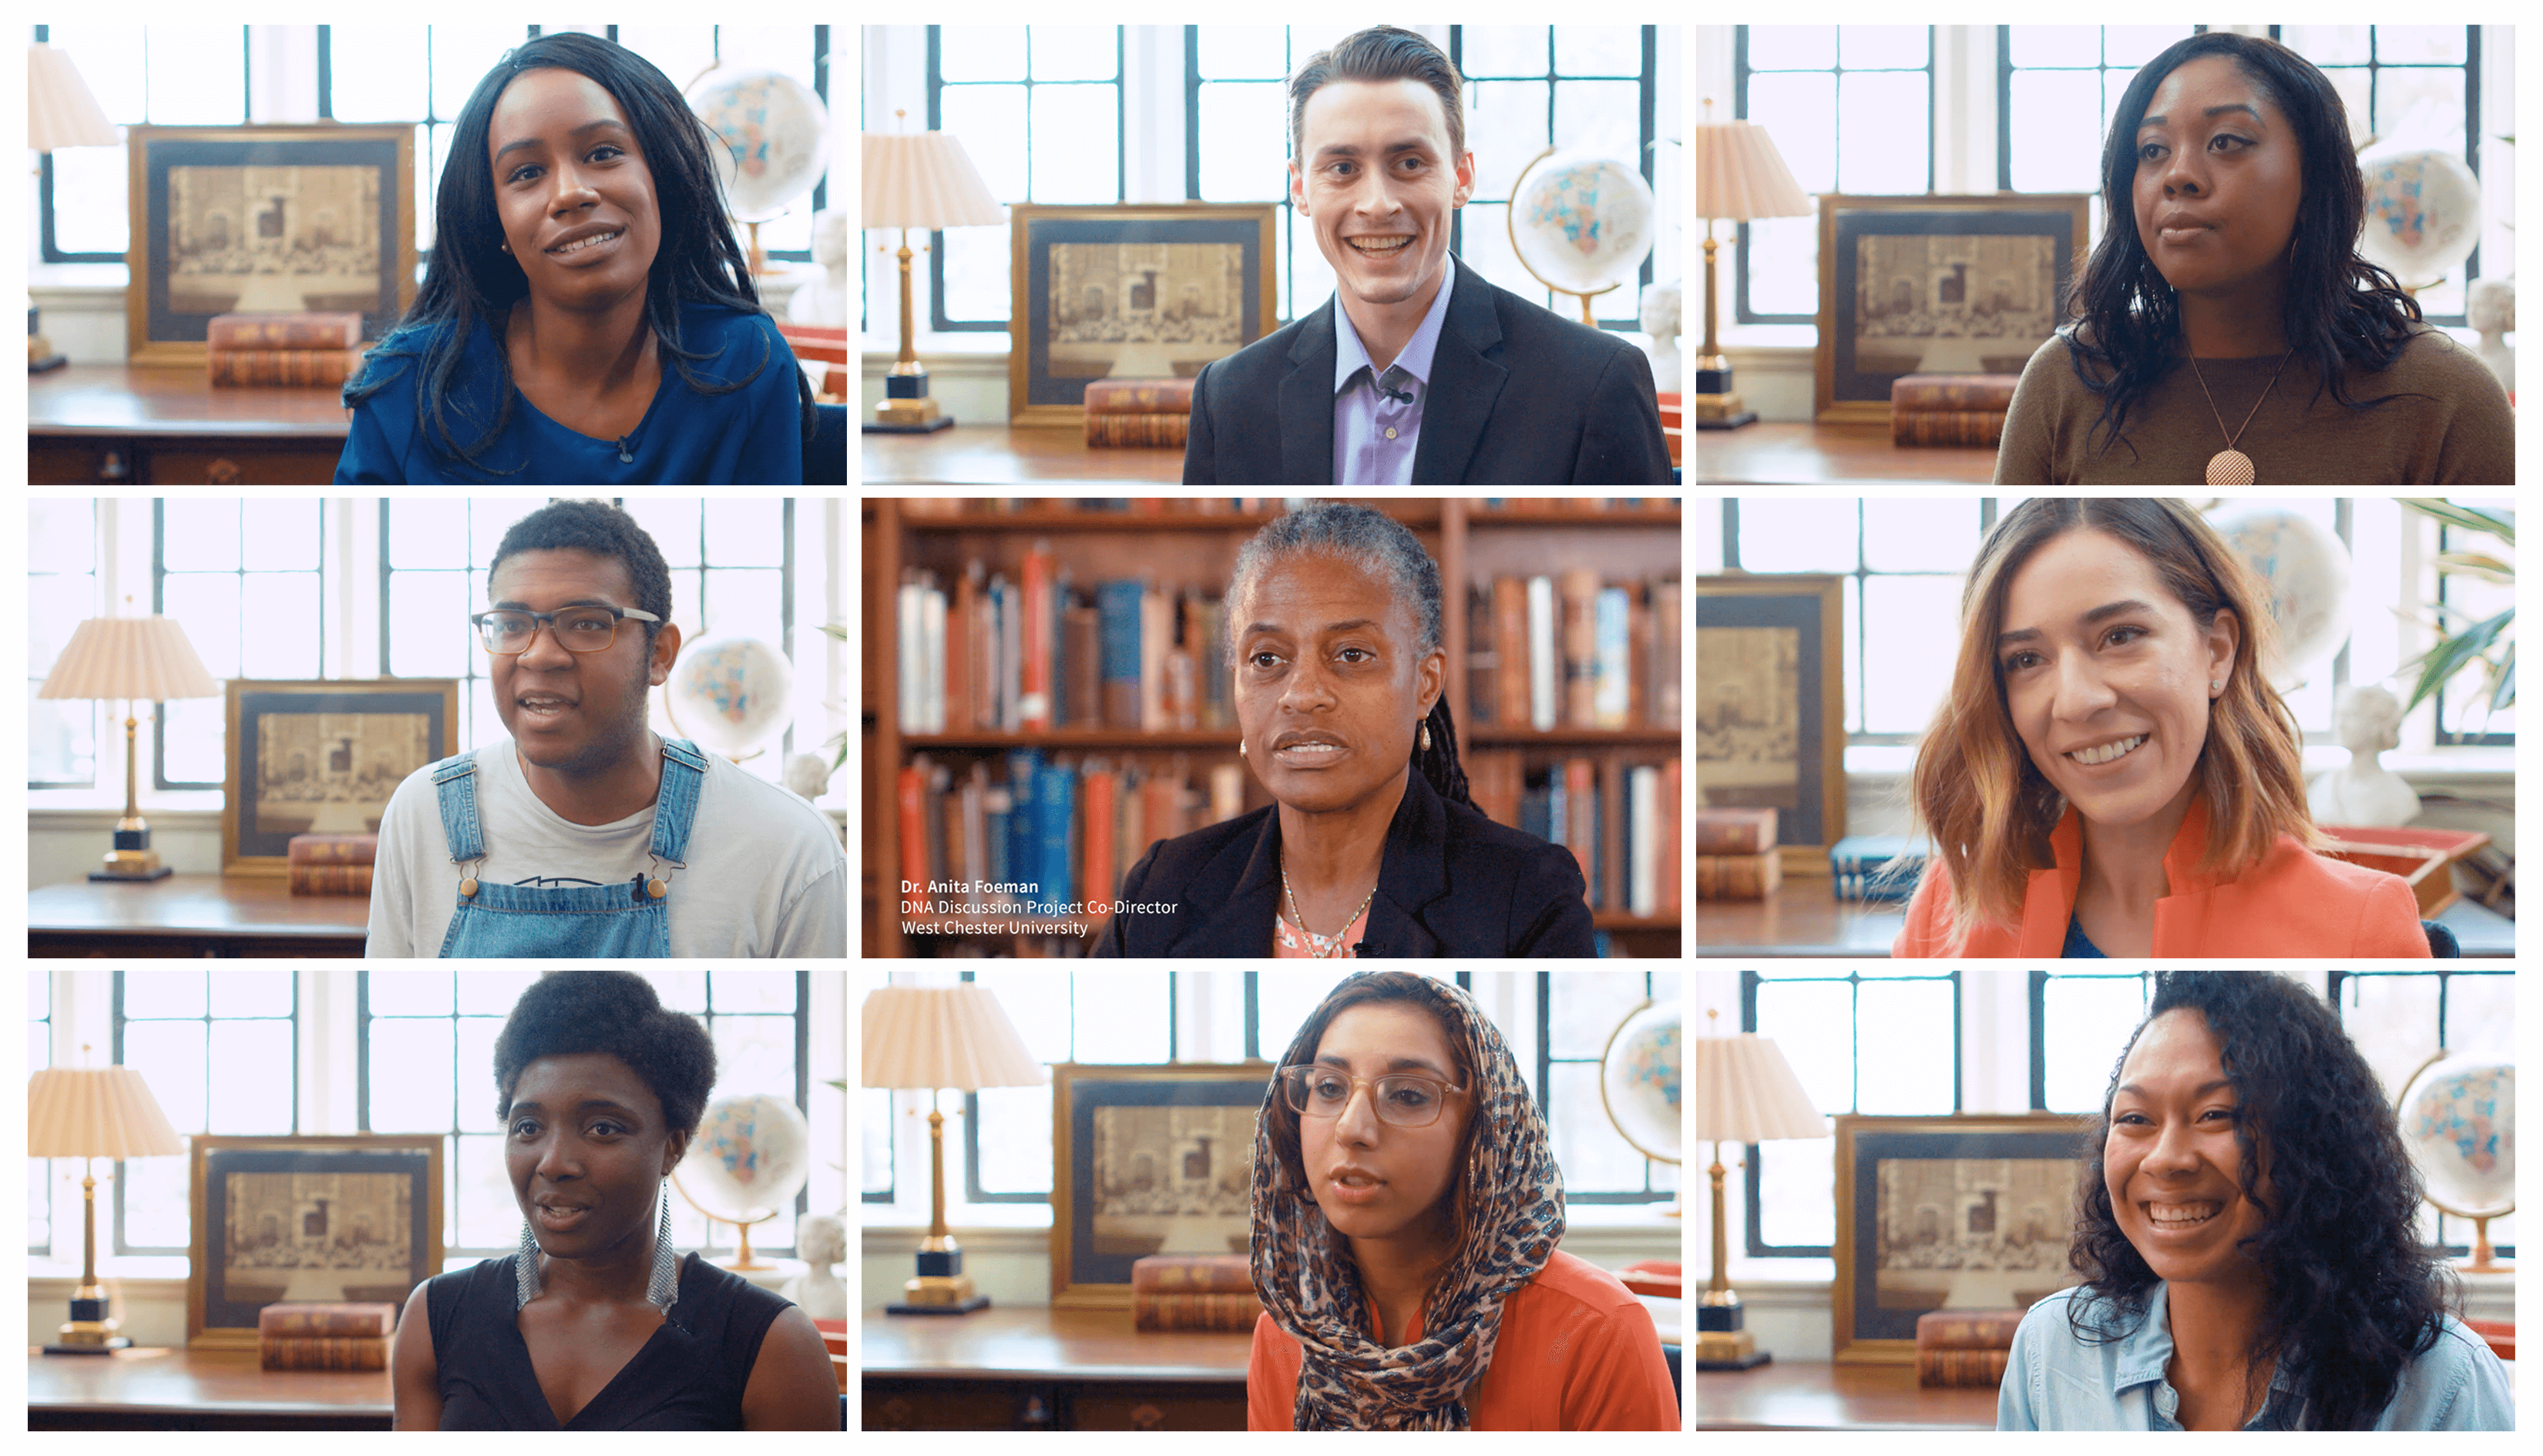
(2230,468)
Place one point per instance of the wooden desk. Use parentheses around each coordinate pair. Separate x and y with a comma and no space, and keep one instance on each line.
(198,1390)
(1803,918)
(1804,1396)
(194,915)
(993,453)
(1830,454)
(1032,1368)
(130,425)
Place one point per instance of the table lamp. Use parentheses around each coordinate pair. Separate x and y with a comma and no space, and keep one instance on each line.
(936,1038)
(135,658)
(918,180)
(61,111)
(1738,176)
(1744,1092)
(92,1112)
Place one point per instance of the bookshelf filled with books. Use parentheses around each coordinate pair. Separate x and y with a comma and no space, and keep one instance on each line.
(1045,697)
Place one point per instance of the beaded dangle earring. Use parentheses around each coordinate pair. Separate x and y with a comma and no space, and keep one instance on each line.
(663,1290)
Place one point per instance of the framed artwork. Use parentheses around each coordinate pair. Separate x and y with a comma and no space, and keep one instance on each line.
(1960,1212)
(307,1220)
(311,217)
(1139,291)
(1147,1160)
(1770,706)
(323,758)
(1936,286)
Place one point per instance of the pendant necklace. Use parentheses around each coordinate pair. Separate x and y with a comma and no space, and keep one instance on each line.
(1323,947)
(2229,466)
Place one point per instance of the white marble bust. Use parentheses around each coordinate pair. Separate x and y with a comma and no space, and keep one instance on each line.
(2364,792)
(1660,319)
(820,1241)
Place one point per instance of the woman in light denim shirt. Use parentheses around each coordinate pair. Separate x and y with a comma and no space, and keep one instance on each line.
(2246,1235)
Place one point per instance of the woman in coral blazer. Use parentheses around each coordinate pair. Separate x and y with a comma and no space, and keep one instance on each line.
(2111,775)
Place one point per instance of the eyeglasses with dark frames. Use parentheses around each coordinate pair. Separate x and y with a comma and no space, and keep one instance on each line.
(1402,1098)
(507,632)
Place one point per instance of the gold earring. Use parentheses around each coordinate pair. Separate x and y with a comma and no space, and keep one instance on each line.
(1425,736)
(1239,747)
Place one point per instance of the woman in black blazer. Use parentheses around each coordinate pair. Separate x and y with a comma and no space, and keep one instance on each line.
(1373,847)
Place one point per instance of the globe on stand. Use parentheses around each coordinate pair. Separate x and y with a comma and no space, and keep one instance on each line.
(729,694)
(747,1162)
(776,136)
(2422,214)
(2458,1118)
(1580,224)
(1642,1080)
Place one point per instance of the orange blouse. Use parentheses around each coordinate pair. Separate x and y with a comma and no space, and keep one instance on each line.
(2293,902)
(1576,1352)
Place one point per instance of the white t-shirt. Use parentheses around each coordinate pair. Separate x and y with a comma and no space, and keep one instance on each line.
(766,873)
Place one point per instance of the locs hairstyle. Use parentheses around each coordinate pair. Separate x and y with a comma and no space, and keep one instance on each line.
(604,531)
(1280,1120)
(2341,310)
(1987,805)
(1394,556)
(1380,53)
(2354,1295)
(470,277)
(567,1012)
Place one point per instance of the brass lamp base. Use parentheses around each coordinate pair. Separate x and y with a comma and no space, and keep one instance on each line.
(131,864)
(90,1331)
(941,1287)
(906,407)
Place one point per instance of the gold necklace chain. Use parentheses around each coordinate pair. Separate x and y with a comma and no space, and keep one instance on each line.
(1321,946)
(2230,466)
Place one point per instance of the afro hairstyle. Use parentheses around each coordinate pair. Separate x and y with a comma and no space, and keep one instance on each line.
(567,1012)
(599,529)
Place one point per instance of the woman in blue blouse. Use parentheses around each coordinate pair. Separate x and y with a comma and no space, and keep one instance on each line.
(588,316)
(2245,1229)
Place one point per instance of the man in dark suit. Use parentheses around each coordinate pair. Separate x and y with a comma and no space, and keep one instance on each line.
(1417,372)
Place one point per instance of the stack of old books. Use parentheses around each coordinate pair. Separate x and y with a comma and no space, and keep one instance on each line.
(285,348)
(1138,411)
(1965,1347)
(1193,1292)
(1950,409)
(331,863)
(325,1336)
(1735,853)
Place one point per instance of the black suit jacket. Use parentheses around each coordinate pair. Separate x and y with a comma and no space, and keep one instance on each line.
(1518,397)
(1449,882)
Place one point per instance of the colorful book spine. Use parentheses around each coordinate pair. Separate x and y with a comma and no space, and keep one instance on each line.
(1611,691)
(1544,664)
(1120,621)
(1033,704)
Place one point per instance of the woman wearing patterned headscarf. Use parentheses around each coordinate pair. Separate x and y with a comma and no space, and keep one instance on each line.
(1406,1212)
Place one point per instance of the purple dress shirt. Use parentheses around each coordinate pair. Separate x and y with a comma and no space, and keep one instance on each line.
(1375,424)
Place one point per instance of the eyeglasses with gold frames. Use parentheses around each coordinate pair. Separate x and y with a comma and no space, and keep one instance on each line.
(1402,1098)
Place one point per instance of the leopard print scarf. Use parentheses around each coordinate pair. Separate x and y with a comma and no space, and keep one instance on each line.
(1304,1275)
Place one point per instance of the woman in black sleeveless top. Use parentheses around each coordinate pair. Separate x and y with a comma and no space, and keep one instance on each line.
(595,1324)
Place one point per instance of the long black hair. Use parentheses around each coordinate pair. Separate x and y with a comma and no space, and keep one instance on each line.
(2353,1296)
(1384,549)
(2340,311)
(471,278)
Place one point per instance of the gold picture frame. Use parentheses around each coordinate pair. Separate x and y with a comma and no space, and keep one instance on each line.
(1975,1151)
(305,194)
(288,1208)
(1179,1123)
(1810,807)
(1223,252)
(384,727)
(1977,283)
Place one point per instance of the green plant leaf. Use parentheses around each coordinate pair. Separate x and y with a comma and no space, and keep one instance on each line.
(2440,663)
(2476,563)
(2502,682)
(2500,523)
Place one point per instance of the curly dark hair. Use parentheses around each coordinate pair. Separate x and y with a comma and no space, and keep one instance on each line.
(603,530)
(2354,1295)
(565,1012)
(2340,311)
(1280,1120)
(470,277)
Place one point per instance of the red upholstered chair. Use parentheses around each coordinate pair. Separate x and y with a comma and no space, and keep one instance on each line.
(816,344)
(2499,1335)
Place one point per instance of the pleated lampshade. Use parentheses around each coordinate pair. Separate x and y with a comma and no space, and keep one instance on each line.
(61,111)
(924,180)
(1745,1092)
(1739,175)
(147,658)
(944,1036)
(96,1113)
